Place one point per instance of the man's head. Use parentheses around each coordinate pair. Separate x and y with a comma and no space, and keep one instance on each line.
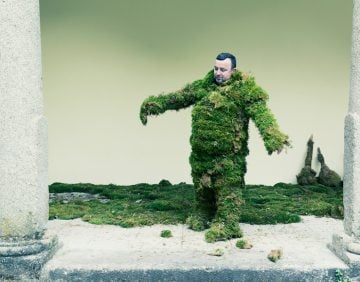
(225,64)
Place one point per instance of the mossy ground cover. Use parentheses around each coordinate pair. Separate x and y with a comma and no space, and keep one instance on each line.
(147,204)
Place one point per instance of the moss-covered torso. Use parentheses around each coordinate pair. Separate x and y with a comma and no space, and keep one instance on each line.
(220,130)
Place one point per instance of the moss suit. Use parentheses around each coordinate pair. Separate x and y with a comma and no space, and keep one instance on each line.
(219,142)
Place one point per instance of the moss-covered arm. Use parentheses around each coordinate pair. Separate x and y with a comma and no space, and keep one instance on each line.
(263,118)
(189,95)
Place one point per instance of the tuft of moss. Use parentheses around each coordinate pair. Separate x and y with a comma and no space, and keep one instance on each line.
(275,255)
(197,222)
(162,205)
(222,231)
(164,182)
(166,234)
(217,253)
(243,244)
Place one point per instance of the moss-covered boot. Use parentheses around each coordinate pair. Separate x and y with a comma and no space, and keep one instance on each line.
(226,223)
(205,206)
(197,222)
(220,231)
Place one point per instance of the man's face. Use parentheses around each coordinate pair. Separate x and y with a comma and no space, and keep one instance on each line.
(222,70)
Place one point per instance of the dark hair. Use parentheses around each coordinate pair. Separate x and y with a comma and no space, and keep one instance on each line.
(224,56)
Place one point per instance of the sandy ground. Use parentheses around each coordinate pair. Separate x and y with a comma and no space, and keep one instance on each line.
(87,246)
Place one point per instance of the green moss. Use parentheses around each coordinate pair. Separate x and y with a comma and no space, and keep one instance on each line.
(275,255)
(281,203)
(166,234)
(159,204)
(220,231)
(165,182)
(162,205)
(341,277)
(217,253)
(243,244)
(197,222)
(220,121)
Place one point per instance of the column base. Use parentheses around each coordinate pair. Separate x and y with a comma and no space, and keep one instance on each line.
(344,247)
(23,260)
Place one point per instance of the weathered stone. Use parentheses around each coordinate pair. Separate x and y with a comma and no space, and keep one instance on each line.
(23,260)
(23,144)
(307,174)
(67,197)
(327,176)
(23,148)
(347,244)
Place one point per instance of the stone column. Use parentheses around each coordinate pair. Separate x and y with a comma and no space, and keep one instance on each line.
(24,246)
(347,245)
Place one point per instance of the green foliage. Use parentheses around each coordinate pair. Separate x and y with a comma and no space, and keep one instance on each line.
(146,204)
(275,255)
(220,231)
(217,253)
(341,277)
(240,244)
(197,222)
(135,205)
(166,234)
(243,244)
(162,205)
(165,182)
(219,137)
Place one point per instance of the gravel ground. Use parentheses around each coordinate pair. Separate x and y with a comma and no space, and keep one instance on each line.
(87,246)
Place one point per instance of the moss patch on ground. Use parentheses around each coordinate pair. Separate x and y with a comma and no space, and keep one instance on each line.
(148,204)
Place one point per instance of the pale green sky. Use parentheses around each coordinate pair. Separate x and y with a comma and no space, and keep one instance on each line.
(101,59)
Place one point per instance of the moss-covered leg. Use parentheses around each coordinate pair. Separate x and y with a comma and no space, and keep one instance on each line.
(226,223)
(205,207)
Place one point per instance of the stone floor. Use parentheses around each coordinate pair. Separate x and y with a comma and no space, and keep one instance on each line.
(91,250)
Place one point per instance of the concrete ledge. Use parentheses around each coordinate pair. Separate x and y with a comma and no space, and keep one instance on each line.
(111,253)
(222,275)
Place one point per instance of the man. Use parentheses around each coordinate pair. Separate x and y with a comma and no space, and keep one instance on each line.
(224,102)
(225,64)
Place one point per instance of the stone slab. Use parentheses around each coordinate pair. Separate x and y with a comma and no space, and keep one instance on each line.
(111,253)
(23,260)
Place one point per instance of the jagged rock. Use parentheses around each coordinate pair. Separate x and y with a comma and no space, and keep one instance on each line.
(67,197)
(307,175)
(327,176)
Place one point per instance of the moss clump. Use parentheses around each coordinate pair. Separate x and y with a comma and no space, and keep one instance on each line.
(165,182)
(197,222)
(162,205)
(243,244)
(275,255)
(341,277)
(166,234)
(307,174)
(219,137)
(222,231)
(327,176)
(217,253)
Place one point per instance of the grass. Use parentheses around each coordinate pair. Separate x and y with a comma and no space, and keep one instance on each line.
(163,203)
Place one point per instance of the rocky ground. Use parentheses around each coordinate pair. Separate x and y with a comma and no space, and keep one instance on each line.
(76,196)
